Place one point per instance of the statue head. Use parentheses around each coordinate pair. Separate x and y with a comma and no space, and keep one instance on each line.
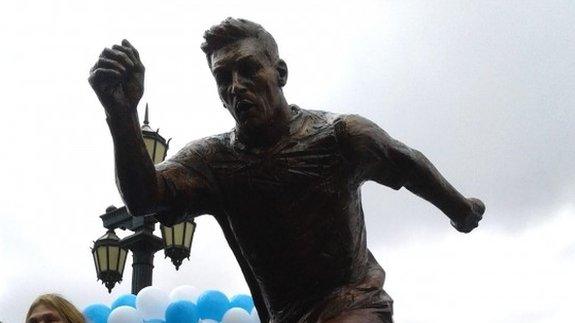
(244,61)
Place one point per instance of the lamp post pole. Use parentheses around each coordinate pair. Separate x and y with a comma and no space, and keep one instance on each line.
(143,244)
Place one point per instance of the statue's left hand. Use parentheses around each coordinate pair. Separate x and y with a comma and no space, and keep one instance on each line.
(470,220)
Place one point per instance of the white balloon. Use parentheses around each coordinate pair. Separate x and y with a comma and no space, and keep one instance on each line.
(152,302)
(208,321)
(125,314)
(254,316)
(236,315)
(185,293)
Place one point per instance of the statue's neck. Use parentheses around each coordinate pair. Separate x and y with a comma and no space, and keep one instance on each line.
(267,136)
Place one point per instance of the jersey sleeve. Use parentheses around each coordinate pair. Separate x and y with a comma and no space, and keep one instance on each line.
(184,179)
(371,153)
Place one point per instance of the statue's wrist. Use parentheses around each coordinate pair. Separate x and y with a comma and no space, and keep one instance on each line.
(122,120)
(461,212)
(120,112)
(457,219)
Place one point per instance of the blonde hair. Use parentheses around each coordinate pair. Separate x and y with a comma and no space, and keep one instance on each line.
(61,305)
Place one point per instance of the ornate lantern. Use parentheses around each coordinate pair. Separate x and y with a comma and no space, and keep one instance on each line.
(110,259)
(178,240)
(156,145)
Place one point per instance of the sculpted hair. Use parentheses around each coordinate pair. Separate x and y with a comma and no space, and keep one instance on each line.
(61,305)
(232,30)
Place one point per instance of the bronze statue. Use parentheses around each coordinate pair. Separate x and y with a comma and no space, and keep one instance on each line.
(284,185)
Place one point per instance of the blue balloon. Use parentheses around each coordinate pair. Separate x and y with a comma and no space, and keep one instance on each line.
(242,301)
(182,312)
(125,300)
(213,304)
(96,313)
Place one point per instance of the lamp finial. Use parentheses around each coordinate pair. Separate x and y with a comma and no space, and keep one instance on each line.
(146,115)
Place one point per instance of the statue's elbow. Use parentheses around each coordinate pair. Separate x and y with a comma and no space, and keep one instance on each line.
(140,198)
(140,210)
(140,207)
(417,157)
(412,164)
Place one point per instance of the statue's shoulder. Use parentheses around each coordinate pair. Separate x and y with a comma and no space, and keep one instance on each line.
(352,125)
(342,123)
(315,114)
(205,147)
(317,117)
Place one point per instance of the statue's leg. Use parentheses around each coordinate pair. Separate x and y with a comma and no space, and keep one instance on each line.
(364,315)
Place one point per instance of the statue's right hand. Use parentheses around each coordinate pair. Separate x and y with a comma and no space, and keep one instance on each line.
(470,220)
(118,79)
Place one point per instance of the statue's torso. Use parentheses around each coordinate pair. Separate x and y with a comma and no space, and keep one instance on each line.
(294,212)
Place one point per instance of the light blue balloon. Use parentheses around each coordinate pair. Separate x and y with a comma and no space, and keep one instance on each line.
(155,321)
(125,300)
(96,313)
(182,312)
(242,301)
(213,304)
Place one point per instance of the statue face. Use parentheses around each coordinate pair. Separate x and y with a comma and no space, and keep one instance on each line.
(247,83)
(45,314)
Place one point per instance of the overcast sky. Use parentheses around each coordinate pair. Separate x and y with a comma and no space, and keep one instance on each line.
(484,88)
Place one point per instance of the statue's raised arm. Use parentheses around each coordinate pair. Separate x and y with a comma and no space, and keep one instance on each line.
(380,158)
(118,80)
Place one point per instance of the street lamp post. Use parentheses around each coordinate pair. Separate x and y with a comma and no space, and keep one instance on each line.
(176,240)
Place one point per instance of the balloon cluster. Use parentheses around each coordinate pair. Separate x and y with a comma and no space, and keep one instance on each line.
(185,304)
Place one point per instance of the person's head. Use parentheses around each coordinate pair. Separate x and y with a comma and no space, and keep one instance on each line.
(53,308)
(244,60)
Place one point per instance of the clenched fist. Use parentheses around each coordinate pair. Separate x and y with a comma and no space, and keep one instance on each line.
(470,220)
(118,79)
